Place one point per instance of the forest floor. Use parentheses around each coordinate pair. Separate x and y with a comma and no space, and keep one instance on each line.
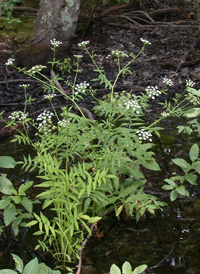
(174,52)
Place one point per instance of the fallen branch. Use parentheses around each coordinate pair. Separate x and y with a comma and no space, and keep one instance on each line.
(25,9)
(155,13)
(77,108)
(115,8)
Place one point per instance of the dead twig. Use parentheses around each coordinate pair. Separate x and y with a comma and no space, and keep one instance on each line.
(92,227)
(85,111)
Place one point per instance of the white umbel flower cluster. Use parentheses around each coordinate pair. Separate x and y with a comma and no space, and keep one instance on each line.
(55,43)
(145,42)
(167,81)
(25,86)
(144,135)
(81,88)
(190,83)
(152,92)
(83,44)
(63,123)
(133,105)
(165,114)
(45,126)
(10,62)
(49,96)
(18,115)
(118,53)
(78,56)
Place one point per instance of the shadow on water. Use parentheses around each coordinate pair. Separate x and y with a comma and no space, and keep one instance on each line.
(168,242)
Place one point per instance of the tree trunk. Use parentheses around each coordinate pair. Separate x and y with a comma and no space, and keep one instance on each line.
(56,19)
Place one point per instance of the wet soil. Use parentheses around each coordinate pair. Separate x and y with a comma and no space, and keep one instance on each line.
(174,52)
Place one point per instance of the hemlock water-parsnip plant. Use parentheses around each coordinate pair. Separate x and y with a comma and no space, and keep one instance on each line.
(90,165)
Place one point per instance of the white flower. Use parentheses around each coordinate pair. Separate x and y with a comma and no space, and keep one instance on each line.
(167,81)
(45,115)
(45,126)
(118,53)
(145,42)
(24,86)
(63,123)
(190,83)
(82,87)
(152,92)
(18,115)
(165,114)
(55,43)
(83,44)
(144,135)
(10,62)
(78,56)
(49,96)
(134,105)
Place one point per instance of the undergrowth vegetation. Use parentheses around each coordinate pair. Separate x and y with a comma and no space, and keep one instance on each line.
(92,162)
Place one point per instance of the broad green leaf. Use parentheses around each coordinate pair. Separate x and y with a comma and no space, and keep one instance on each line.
(181,190)
(140,269)
(192,113)
(126,268)
(16,199)
(181,163)
(196,166)
(194,91)
(115,269)
(18,263)
(9,214)
(6,186)
(32,267)
(150,164)
(194,152)
(7,271)
(27,204)
(191,178)
(173,195)
(7,162)
(44,269)
(22,189)
(4,203)
(170,182)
